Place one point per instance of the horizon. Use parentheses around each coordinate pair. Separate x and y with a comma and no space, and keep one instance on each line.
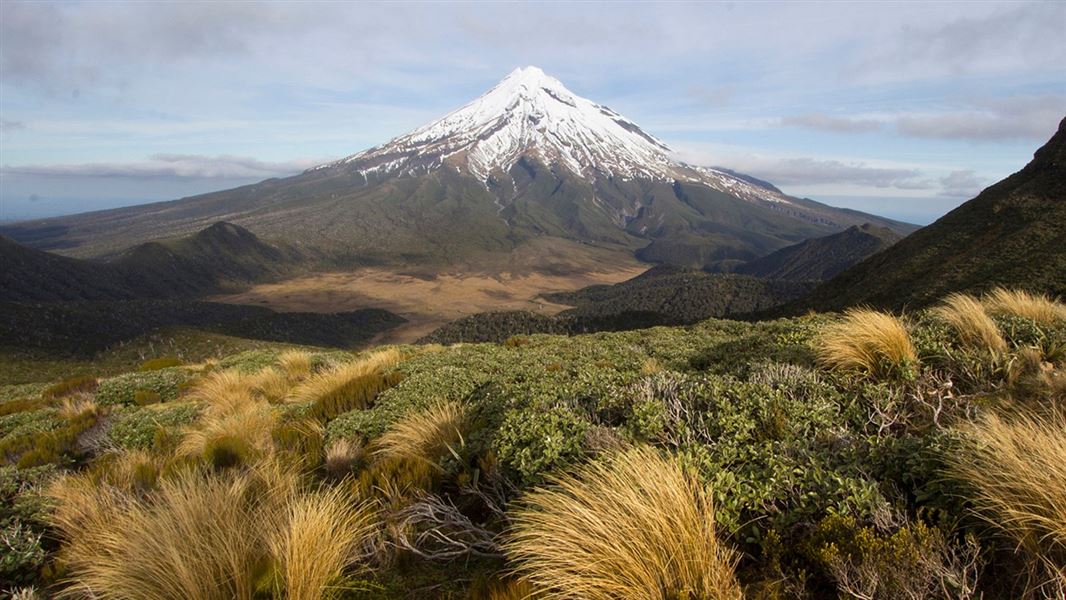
(902,115)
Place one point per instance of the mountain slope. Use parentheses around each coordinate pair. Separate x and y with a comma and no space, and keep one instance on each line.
(822,258)
(30,275)
(206,262)
(527,160)
(1012,234)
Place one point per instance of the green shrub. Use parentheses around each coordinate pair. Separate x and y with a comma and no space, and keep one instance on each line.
(163,362)
(536,440)
(124,388)
(70,386)
(21,555)
(137,428)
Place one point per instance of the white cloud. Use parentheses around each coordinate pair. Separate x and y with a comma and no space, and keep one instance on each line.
(170,166)
(961,184)
(824,122)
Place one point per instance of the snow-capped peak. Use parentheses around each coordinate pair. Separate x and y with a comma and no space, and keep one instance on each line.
(531,114)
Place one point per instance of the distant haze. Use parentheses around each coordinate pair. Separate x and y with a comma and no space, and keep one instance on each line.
(903,110)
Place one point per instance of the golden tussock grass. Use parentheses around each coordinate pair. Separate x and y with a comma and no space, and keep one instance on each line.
(73,407)
(1020,303)
(295,363)
(1017,470)
(426,436)
(204,536)
(867,341)
(317,539)
(270,384)
(514,589)
(976,330)
(348,386)
(342,457)
(232,438)
(633,526)
(224,392)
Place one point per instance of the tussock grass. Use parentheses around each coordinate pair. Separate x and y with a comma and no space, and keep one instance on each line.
(224,392)
(348,386)
(634,526)
(1017,470)
(73,407)
(316,540)
(342,456)
(270,384)
(976,330)
(867,341)
(296,364)
(204,535)
(233,438)
(425,436)
(1020,303)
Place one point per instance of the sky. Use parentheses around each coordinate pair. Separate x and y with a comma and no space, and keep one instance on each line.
(904,109)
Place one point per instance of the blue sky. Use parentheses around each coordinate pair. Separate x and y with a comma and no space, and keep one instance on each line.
(902,109)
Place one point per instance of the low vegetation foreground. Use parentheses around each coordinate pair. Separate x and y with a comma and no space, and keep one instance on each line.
(857,455)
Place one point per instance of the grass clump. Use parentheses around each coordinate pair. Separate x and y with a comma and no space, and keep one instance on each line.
(1020,303)
(163,362)
(868,342)
(205,535)
(349,386)
(425,436)
(1016,469)
(296,364)
(632,526)
(974,328)
(70,386)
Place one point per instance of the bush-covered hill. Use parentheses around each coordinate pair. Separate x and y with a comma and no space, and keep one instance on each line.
(856,455)
(821,258)
(219,257)
(84,328)
(1013,234)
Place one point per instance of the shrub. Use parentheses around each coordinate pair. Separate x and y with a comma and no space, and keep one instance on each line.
(536,440)
(1020,303)
(163,362)
(136,429)
(868,342)
(915,561)
(21,554)
(975,329)
(632,526)
(427,436)
(123,388)
(1017,473)
(70,386)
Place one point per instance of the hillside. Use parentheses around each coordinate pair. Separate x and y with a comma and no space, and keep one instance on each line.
(1012,234)
(778,457)
(215,259)
(30,275)
(219,257)
(526,162)
(822,258)
(681,296)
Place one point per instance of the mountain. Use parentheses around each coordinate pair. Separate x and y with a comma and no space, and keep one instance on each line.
(1012,234)
(31,275)
(818,259)
(206,262)
(527,163)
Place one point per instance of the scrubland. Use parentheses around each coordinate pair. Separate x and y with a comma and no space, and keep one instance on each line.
(856,455)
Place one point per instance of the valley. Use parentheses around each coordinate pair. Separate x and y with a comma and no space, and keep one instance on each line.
(427,301)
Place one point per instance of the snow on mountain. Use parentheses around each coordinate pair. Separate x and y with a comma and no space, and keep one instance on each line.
(531,114)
